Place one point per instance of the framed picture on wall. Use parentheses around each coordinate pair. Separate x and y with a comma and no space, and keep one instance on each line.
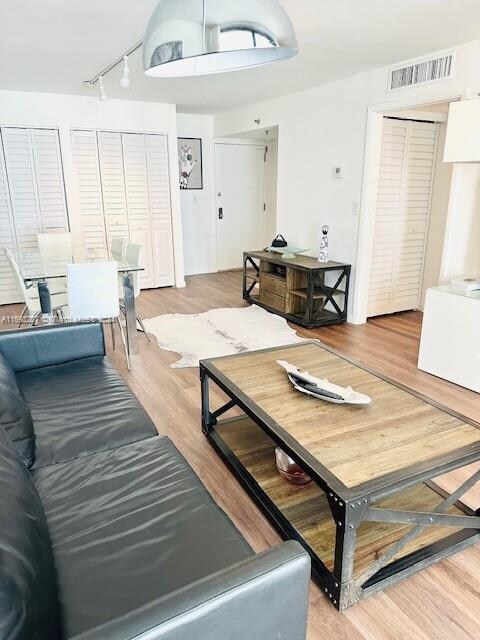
(190,163)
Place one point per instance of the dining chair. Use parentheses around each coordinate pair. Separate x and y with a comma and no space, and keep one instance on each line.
(55,245)
(93,295)
(117,249)
(30,295)
(132,257)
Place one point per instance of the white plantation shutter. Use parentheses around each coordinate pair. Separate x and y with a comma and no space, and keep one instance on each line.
(402,213)
(124,191)
(32,195)
(89,191)
(159,191)
(23,188)
(138,203)
(49,179)
(8,288)
(113,184)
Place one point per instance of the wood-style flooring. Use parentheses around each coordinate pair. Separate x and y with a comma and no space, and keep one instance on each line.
(440,603)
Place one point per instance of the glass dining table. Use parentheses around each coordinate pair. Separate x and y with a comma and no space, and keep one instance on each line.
(37,270)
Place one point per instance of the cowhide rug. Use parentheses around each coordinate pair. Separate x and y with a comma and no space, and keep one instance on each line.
(219,332)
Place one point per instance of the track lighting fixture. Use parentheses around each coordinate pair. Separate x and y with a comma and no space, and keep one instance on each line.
(125,79)
(102,96)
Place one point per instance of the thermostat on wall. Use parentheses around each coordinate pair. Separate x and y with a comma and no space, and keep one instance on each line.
(337,172)
(466,283)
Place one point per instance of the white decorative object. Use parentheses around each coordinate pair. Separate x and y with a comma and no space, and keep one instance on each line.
(219,332)
(323,257)
(322,388)
(466,283)
(450,342)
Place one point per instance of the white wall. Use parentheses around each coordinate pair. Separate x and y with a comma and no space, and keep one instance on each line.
(198,207)
(271,188)
(438,217)
(65,112)
(461,255)
(324,127)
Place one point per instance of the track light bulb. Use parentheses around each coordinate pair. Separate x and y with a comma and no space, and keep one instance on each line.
(125,79)
(102,96)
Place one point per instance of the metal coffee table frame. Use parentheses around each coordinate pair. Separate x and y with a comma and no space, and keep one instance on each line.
(351,507)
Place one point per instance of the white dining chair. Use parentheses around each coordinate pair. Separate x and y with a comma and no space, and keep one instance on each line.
(93,295)
(117,249)
(133,254)
(55,245)
(30,295)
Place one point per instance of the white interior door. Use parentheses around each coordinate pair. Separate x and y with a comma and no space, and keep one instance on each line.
(240,188)
(401,220)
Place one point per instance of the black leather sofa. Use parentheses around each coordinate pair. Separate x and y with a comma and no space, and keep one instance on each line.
(105,531)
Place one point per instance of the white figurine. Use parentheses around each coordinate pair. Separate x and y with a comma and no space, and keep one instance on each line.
(323,257)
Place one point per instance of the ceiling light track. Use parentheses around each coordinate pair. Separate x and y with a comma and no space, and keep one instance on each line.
(120,60)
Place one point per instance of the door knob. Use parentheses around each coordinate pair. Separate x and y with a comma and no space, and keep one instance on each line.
(220,213)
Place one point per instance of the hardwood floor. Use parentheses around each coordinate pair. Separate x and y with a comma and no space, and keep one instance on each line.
(442,602)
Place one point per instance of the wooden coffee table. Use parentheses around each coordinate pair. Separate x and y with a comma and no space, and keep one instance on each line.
(373,514)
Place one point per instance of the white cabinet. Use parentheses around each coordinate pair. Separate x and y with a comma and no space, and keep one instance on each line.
(463,132)
(401,219)
(124,191)
(32,195)
(450,342)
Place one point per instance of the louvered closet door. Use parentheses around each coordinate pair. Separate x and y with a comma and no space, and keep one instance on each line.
(49,179)
(401,222)
(23,189)
(159,192)
(138,203)
(113,185)
(89,191)
(8,288)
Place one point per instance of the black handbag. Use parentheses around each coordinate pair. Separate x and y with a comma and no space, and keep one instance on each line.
(279,242)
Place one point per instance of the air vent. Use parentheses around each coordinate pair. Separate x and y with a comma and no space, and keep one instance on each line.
(421,72)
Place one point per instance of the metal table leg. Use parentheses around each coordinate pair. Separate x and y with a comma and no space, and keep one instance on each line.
(130,315)
(45,301)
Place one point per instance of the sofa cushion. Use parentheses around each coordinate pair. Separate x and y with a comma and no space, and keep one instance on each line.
(28,594)
(15,416)
(81,407)
(128,526)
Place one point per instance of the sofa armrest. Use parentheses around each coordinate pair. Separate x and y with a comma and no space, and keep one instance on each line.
(52,344)
(262,598)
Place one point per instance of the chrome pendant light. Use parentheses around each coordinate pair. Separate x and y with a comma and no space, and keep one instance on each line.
(198,37)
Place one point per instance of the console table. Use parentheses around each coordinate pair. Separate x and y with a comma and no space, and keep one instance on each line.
(301,289)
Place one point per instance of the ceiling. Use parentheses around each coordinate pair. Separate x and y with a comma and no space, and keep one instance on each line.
(53,45)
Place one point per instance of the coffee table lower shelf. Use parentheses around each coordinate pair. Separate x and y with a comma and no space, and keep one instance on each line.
(304,514)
